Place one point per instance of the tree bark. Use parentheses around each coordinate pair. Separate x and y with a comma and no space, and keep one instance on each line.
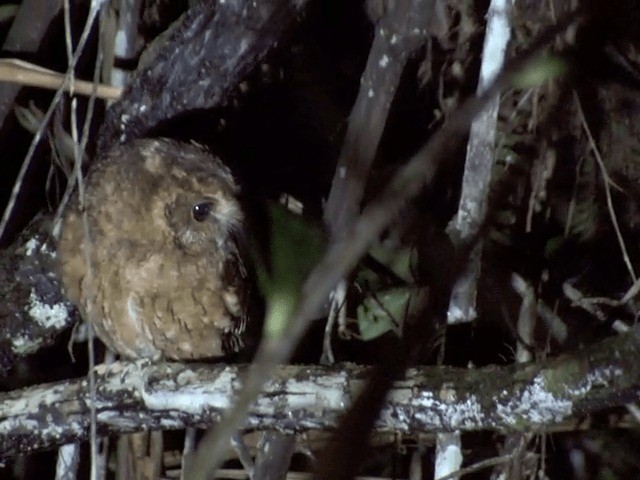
(137,396)
(210,50)
(33,311)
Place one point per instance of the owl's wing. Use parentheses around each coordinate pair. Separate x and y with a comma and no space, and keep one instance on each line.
(242,298)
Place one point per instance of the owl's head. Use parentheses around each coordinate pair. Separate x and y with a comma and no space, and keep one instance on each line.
(189,193)
(202,209)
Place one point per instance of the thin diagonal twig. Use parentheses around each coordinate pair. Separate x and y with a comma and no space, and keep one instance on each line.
(93,13)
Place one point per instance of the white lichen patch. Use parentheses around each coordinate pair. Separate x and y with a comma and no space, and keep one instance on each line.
(115,418)
(193,399)
(186,377)
(46,429)
(112,368)
(34,245)
(49,316)
(461,414)
(384,61)
(31,246)
(25,409)
(317,394)
(8,425)
(303,396)
(598,377)
(535,405)
(431,412)
(21,344)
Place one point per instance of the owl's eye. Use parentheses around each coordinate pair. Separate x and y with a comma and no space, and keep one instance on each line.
(201,211)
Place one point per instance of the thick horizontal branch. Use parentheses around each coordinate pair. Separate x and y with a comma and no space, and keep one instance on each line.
(135,396)
(210,50)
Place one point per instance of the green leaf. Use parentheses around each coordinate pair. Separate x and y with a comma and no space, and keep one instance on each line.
(7,12)
(399,261)
(385,311)
(295,246)
(539,71)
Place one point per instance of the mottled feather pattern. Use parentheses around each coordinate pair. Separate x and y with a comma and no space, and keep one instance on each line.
(166,246)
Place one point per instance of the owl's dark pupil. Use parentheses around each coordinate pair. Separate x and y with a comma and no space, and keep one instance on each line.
(201,211)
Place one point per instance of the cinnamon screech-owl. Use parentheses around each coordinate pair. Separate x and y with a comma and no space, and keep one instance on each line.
(166,247)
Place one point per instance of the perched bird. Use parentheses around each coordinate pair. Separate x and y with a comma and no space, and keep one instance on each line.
(167,243)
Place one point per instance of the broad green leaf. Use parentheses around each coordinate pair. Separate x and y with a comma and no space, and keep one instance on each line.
(7,12)
(539,71)
(399,261)
(385,311)
(295,247)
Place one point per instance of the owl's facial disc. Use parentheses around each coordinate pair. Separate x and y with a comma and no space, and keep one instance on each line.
(225,211)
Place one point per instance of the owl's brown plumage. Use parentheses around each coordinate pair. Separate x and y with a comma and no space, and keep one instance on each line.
(165,229)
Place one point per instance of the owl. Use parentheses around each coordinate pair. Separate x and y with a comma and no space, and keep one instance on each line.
(156,259)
